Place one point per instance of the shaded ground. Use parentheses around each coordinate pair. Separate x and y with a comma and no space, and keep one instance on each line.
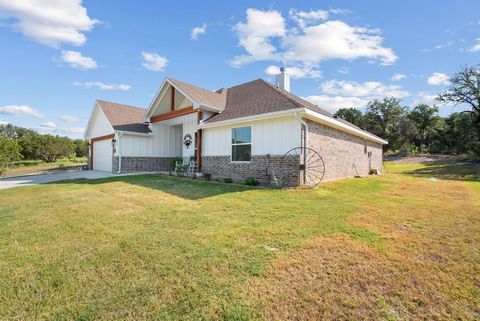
(394,247)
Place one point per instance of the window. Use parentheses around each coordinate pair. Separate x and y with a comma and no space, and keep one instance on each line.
(242,144)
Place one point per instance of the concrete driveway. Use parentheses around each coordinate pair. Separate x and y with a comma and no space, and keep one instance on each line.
(41,179)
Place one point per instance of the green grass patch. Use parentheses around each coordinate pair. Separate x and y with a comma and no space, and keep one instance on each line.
(153,247)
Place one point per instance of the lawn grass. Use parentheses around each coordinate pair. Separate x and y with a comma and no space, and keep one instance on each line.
(151,247)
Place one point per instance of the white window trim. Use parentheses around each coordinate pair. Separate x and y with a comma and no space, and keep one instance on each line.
(251,145)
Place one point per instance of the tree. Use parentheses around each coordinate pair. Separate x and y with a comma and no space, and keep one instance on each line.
(464,88)
(386,118)
(48,148)
(425,119)
(80,147)
(352,115)
(9,152)
(455,134)
(12,131)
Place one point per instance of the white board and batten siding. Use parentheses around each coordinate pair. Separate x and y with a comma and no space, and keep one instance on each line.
(166,139)
(100,124)
(273,136)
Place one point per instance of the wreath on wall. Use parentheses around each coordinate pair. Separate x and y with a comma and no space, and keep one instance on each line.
(187,140)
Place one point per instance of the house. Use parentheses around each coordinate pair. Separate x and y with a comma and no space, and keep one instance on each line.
(255,129)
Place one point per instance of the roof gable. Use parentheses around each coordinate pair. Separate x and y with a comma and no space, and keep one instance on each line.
(200,98)
(124,117)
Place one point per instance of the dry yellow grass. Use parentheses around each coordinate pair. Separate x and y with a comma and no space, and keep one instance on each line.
(426,269)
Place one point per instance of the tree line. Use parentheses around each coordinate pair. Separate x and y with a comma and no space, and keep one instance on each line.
(20,143)
(421,129)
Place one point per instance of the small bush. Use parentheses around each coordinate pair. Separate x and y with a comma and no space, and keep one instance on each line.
(252,181)
(174,161)
(207,176)
(228,180)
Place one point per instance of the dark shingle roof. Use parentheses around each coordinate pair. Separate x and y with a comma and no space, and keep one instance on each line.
(260,97)
(124,117)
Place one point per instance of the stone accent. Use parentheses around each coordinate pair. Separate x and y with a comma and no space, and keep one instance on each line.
(344,155)
(260,167)
(142,164)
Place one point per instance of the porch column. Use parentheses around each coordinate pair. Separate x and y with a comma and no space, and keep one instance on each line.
(199,144)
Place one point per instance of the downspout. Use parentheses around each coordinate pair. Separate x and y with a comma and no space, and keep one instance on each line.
(119,154)
(306,127)
(305,143)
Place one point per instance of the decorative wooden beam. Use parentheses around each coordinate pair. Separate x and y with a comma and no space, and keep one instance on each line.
(172,98)
(96,139)
(199,150)
(173,114)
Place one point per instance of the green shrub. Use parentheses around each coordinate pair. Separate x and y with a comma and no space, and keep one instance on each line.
(228,180)
(252,181)
(207,176)
(174,161)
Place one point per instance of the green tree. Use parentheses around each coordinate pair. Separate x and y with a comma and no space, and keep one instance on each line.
(352,115)
(49,148)
(426,121)
(386,118)
(456,133)
(80,147)
(9,152)
(11,131)
(464,88)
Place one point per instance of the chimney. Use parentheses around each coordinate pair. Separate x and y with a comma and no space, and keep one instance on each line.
(282,80)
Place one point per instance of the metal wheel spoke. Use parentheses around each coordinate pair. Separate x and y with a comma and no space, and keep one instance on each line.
(313,168)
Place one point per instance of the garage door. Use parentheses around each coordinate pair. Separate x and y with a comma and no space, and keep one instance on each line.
(102,155)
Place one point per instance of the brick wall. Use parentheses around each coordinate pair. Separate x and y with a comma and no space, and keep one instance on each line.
(342,153)
(142,164)
(261,167)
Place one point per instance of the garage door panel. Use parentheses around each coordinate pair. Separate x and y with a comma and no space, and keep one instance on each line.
(102,155)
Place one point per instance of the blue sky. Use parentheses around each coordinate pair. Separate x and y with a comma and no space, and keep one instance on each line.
(58,56)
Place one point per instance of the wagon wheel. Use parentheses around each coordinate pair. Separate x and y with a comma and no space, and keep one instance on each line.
(302,166)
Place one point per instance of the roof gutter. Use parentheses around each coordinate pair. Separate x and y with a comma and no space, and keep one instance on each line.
(124,132)
(300,112)
(310,114)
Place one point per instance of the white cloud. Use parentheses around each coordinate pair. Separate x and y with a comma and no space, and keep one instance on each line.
(197,31)
(20,110)
(437,79)
(255,34)
(338,94)
(49,22)
(425,98)
(153,61)
(476,47)
(49,124)
(69,118)
(102,86)
(74,130)
(336,40)
(265,35)
(398,77)
(334,103)
(294,72)
(303,18)
(447,44)
(76,60)
(4,122)
(340,11)
(366,89)
(343,70)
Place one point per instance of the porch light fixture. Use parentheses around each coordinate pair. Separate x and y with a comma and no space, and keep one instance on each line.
(113,142)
